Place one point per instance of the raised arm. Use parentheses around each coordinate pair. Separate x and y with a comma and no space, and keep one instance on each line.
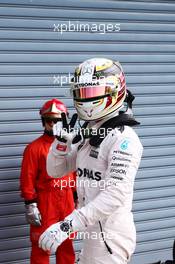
(62,154)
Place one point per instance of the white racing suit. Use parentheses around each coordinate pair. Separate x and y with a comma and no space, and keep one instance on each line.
(105,179)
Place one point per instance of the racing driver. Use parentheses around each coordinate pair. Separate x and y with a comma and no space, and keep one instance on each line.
(106,165)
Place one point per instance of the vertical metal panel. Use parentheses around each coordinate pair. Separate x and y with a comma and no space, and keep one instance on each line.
(35,58)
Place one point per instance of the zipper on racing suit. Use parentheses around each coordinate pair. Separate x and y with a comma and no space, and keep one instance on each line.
(107,246)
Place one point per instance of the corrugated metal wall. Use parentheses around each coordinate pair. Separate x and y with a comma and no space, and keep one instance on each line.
(32,53)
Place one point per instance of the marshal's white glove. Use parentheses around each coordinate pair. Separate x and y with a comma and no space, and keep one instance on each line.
(33,215)
(57,233)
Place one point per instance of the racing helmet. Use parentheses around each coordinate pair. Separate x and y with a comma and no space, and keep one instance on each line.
(51,110)
(98,88)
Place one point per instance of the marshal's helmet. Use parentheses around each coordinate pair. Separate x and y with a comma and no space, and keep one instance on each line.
(98,88)
(51,110)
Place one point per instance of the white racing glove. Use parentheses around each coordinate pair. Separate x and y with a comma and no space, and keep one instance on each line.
(32,214)
(64,135)
(57,233)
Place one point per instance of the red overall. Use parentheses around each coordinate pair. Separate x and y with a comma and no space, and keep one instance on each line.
(54,200)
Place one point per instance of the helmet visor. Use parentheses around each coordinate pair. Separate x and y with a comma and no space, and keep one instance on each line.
(85,93)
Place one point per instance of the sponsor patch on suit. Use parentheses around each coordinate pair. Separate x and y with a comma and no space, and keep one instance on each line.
(93,154)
